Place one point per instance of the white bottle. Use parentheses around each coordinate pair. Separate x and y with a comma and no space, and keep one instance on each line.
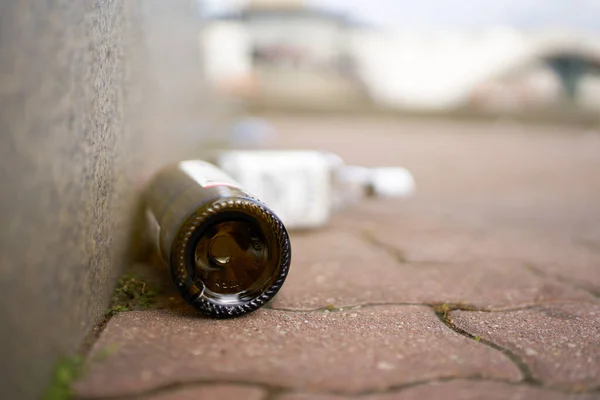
(303,187)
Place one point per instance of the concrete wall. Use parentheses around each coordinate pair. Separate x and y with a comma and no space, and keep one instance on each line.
(94,96)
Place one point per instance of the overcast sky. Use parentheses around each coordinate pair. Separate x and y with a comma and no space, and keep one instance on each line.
(425,14)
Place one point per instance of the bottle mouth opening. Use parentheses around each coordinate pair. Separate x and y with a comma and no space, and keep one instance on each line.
(234,258)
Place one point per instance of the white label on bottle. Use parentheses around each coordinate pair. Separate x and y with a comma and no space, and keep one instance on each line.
(207,175)
(294,184)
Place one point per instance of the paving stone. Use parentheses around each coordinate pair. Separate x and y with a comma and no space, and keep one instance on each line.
(340,268)
(560,343)
(351,351)
(562,256)
(417,213)
(458,390)
(212,392)
(562,241)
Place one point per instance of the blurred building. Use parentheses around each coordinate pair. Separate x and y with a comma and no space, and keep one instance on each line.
(558,70)
(496,70)
(282,51)
(285,52)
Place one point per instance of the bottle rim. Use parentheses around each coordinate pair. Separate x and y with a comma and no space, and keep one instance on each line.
(182,272)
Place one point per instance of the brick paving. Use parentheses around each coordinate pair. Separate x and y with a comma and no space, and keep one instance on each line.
(484,286)
(560,343)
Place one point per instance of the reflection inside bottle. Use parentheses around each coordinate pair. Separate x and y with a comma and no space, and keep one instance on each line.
(232,258)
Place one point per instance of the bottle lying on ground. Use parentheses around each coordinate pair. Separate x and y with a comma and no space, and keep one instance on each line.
(228,253)
(305,186)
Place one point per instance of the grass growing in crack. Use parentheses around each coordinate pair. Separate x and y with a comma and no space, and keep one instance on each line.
(443,310)
(67,370)
(131,293)
(104,353)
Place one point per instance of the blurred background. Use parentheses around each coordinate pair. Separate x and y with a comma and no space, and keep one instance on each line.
(95,96)
(508,57)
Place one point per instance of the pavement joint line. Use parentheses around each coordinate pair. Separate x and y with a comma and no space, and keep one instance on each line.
(172,386)
(273,392)
(568,281)
(395,252)
(463,306)
(443,313)
(589,244)
(400,257)
(346,308)
(444,316)
(405,386)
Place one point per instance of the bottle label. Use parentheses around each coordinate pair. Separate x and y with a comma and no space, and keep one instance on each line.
(294,184)
(206,174)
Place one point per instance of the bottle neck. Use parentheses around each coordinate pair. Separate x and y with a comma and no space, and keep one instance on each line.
(352,183)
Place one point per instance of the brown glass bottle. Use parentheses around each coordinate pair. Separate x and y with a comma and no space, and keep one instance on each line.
(228,253)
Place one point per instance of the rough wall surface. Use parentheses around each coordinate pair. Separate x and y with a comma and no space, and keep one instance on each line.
(73,151)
